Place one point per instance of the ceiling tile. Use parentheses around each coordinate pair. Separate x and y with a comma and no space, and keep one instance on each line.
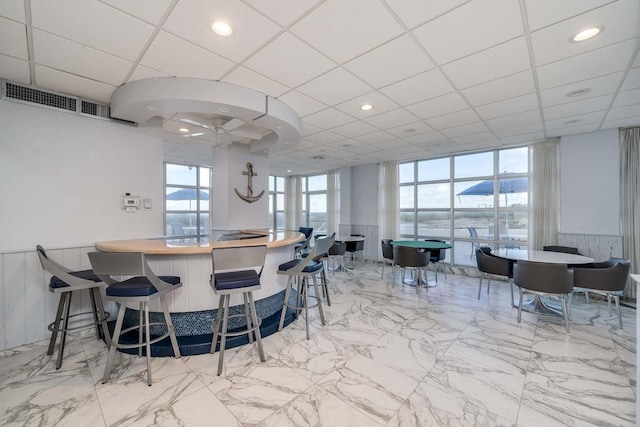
(515,120)
(379,102)
(597,86)
(284,12)
(244,77)
(334,87)
(68,19)
(342,30)
(64,55)
(506,59)
(470,28)
(71,84)
(142,72)
(376,137)
(13,9)
(518,130)
(573,130)
(475,138)
(508,106)
(620,123)
(468,129)
(180,58)
(620,21)
(410,129)
(578,107)
(328,118)
(573,121)
(191,20)
(13,39)
(324,137)
(301,103)
(391,62)
(587,65)
(498,90)
(624,112)
(308,129)
(629,97)
(289,61)
(523,138)
(632,80)
(546,12)
(415,12)
(392,145)
(150,11)
(418,88)
(354,129)
(439,106)
(391,119)
(14,69)
(425,138)
(454,119)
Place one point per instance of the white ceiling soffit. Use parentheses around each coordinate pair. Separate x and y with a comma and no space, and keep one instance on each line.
(142,100)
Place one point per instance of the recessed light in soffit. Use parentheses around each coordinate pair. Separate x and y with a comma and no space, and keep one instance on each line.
(221,28)
(586,34)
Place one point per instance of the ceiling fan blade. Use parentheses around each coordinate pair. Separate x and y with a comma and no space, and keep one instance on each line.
(193,122)
(243,134)
(191,135)
(232,124)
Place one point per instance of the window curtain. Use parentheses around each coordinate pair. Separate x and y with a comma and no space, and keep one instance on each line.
(333,201)
(545,194)
(293,202)
(629,205)
(388,217)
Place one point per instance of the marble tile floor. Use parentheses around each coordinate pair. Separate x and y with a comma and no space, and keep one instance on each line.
(389,356)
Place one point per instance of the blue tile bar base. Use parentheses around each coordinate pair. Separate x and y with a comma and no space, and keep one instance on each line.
(193,329)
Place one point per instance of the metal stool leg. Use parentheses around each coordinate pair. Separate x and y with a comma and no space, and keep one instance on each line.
(315,287)
(216,324)
(223,335)
(254,318)
(285,302)
(170,327)
(247,316)
(65,325)
(114,342)
(102,315)
(148,341)
(55,326)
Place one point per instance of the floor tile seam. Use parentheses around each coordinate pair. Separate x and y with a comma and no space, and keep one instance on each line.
(348,403)
(526,375)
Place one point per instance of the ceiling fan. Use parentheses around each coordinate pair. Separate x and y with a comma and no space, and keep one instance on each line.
(223,128)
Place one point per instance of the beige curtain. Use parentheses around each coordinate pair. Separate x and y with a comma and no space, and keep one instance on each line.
(293,202)
(545,194)
(629,205)
(388,218)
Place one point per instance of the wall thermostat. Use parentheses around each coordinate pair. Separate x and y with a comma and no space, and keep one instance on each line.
(130,203)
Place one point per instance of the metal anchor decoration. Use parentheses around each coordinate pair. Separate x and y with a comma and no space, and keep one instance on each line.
(249,198)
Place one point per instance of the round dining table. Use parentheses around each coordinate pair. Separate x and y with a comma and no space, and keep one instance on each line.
(544,305)
(423,244)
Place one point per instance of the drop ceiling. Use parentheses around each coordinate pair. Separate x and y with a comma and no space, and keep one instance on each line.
(443,76)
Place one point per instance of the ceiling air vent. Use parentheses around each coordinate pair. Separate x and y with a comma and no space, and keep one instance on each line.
(318,157)
(30,95)
(37,96)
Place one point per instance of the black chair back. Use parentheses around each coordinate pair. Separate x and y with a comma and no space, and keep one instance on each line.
(488,263)
(405,256)
(306,231)
(338,248)
(436,254)
(387,249)
(563,249)
(543,277)
(608,276)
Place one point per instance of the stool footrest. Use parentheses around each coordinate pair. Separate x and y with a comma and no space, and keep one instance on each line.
(240,332)
(144,343)
(51,327)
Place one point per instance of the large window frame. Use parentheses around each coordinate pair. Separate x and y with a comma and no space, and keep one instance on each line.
(187,221)
(276,202)
(451,213)
(314,188)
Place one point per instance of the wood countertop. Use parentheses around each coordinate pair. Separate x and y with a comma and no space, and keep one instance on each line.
(171,246)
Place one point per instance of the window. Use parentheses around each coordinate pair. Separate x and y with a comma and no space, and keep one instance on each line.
(314,202)
(276,202)
(470,200)
(186,207)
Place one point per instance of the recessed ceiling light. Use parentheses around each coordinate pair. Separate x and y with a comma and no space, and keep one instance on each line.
(222,28)
(409,130)
(280,127)
(366,107)
(288,170)
(587,34)
(223,109)
(578,92)
(152,108)
(572,122)
(183,130)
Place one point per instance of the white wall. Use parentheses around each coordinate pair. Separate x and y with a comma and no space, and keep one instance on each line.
(590,183)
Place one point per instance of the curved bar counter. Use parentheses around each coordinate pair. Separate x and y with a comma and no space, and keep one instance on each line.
(193,307)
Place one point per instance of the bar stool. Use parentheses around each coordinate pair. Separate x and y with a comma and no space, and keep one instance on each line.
(141,288)
(234,272)
(301,270)
(65,282)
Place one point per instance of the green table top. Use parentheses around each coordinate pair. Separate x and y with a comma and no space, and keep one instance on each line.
(421,244)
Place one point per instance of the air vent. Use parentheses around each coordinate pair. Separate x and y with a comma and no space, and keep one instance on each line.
(36,96)
(318,157)
(30,95)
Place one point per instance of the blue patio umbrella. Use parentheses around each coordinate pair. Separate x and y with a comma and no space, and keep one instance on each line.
(507,186)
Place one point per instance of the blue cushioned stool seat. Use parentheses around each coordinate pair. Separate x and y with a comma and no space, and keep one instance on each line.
(236,280)
(309,268)
(138,286)
(55,283)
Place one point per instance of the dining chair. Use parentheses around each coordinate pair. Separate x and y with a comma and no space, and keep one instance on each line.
(437,257)
(407,257)
(491,265)
(387,255)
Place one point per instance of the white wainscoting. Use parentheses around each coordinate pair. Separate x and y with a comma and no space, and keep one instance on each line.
(27,305)
(598,247)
